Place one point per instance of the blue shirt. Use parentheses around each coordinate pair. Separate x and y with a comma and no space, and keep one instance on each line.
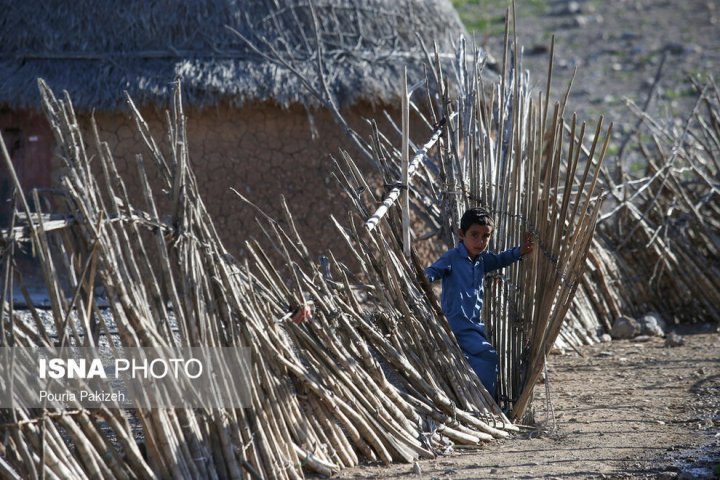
(462,284)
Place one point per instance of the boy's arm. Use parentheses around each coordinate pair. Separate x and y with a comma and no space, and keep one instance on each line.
(495,261)
(439,269)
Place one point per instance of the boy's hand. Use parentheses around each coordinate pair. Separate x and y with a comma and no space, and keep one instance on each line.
(302,314)
(528,246)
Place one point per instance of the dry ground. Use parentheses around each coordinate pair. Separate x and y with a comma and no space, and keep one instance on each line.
(622,410)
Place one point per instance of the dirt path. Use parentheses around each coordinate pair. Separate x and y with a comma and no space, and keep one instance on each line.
(623,410)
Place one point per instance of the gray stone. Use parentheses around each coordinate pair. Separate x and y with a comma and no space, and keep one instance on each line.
(580,21)
(625,328)
(605,338)
(652,324)
(674,340)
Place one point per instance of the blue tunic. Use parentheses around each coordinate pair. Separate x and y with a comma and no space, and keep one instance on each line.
(462,301)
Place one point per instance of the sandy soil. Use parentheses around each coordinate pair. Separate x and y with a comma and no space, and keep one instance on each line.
(622,410)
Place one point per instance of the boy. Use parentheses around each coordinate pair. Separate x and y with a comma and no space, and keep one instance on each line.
(462,270)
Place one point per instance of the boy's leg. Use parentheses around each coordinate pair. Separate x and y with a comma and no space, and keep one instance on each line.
(482,357)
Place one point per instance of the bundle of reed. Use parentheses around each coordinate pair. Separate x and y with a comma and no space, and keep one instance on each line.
(321,396)
(510,153)
(598,300)
(665,221)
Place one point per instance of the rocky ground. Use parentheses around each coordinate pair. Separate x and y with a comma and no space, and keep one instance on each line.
(617,47)
(624,409)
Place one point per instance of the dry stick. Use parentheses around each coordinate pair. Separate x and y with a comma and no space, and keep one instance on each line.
(663,173)
(438,398)
(167,445)
(276,344)
(8,291)
(226,450)
(372,366)
(80,284)
(370,404)
(89,457)
(405,168)
(313,463)
(7,471)
(394,193)
(163,253)
(277,420)
(130,448)
(346,457)
(57,457)
(247,435)
(533,375)
(575,268)
(323,450)
(42,339)
(122,267)
(263,430)
(19,439)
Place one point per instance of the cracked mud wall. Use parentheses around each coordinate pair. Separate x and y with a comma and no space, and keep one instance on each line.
(262,151)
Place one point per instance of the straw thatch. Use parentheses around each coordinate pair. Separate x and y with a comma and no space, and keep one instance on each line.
(97,50)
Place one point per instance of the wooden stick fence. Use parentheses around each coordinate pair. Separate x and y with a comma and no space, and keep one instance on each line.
(510,155)
(475,164)
(655,251)
(376,379)
(662,229)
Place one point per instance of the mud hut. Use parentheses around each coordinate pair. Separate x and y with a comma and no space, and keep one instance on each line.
(253,124)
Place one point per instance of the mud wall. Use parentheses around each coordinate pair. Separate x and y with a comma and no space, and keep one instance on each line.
(262,151)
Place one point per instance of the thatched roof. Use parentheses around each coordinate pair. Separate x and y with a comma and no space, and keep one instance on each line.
(97,49)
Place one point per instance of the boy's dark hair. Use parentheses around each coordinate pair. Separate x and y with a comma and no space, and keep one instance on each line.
(473,216)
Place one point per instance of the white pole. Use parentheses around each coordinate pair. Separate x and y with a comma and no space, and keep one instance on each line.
(405,166)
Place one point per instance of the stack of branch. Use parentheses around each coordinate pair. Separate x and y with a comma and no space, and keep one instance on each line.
(665,222)
(657,246)
(511,154)
(379,379)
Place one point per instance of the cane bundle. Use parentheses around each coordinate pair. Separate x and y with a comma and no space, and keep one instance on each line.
(372,375)
(665,218)
(511,154)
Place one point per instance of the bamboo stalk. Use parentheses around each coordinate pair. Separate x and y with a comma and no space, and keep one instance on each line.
(405,167)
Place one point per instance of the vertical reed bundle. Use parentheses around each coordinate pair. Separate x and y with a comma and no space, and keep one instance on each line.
(510,154)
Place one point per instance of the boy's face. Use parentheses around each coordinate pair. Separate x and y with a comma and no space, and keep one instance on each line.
(476,238)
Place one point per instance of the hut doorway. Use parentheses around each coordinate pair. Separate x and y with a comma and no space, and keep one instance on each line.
(29,143)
